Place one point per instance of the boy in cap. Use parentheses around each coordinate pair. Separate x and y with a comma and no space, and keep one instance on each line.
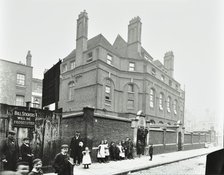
(26,152)
(62,164)
(9,151)
(37,165)
(22,168)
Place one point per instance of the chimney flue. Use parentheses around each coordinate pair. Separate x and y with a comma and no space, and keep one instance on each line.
(81,37)
(28,58)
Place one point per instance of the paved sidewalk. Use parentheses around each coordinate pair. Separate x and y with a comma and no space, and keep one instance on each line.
(125,166)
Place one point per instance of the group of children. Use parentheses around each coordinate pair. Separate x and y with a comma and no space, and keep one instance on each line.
(115,151)
(63,164)
(22,168)
(30,165)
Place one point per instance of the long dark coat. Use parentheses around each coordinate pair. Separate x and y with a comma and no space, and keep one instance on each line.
(150,150)
(25,150)
(9,150)
(62,166)
(76,150)
(139,148)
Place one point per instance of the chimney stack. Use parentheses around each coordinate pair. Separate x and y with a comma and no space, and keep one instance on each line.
(134,37)
(28,58)
(169,63)
(81,37)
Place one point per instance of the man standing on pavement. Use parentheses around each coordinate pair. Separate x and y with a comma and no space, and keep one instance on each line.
(130,149)
(9,151)
(126,147)
(150,152)
(26,152)
(76,148)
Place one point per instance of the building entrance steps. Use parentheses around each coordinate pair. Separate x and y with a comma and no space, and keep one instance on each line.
(136,164)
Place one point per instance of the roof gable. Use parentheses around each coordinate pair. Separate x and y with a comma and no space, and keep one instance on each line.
(100,40)
(120,46)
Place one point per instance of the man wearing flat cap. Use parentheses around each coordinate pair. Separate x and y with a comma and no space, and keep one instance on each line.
(76,147)
(26,152)
(9,151)
(62,163)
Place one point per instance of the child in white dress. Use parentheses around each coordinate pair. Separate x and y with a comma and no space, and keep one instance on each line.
(86,160)
(121,151)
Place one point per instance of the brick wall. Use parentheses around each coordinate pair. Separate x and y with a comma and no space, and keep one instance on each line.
(69,126)
(208,138)
(171,137)
(196,138)
(202,138)
(8,86)
(194,146)
(156,137)
(112,130)
(187,138)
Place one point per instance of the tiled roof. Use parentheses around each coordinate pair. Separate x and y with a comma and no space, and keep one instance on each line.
(158,63)
(71,55)
(98,40)
(102,41)
(121,46)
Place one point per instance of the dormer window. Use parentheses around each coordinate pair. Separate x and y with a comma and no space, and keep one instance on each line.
(153,71)
(64,67)
(72,65)
(162,77)
(147,58)
(109,59)
(170,82)
(89,56)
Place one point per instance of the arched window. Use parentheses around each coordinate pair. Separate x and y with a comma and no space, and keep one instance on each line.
(168,103)
(108,93)
(160,122)
(151,98)
(71,85)
(130,88)
(131,99)
(152,122)
(168,123)
(175,106)
(161,99)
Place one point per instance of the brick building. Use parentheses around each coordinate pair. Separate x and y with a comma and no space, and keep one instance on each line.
(117,80)
(18,85)
(100,88)
(16,82)
(121,78)
(36,99)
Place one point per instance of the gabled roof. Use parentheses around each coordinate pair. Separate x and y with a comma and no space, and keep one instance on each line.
(71,55)
(158,63)
(121,46)
(98,40)
(144,52)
